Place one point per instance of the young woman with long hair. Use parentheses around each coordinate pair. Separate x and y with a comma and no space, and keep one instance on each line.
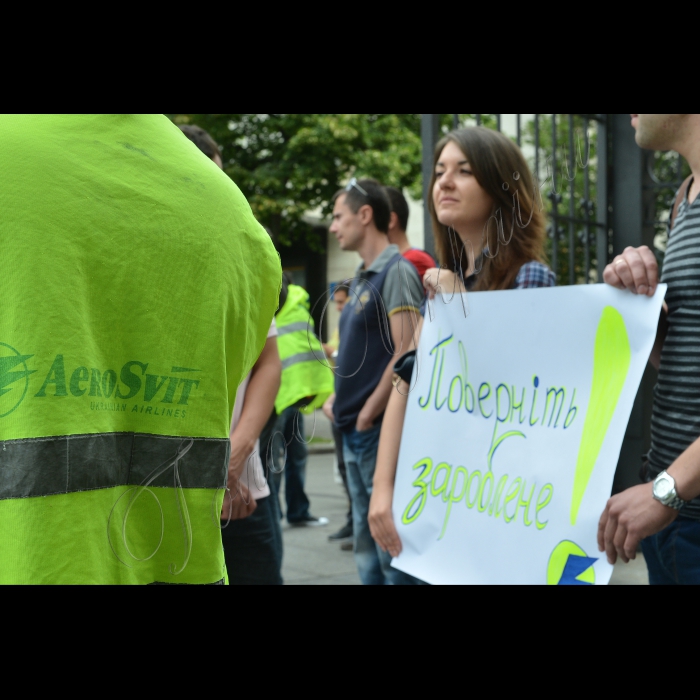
(489,234)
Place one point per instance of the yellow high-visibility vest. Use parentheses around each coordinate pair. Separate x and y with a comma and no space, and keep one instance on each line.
(137,292)
(305,370)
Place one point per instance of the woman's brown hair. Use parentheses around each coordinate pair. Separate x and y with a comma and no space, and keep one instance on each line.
(515,234)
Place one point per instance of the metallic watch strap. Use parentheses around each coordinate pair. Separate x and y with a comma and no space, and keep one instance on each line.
(676,503)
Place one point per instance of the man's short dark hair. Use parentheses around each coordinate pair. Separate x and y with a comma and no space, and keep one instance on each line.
(342,287)
(376,198)
(399,206)
(201,139)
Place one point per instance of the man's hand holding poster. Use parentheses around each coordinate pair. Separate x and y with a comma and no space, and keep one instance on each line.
(518,407)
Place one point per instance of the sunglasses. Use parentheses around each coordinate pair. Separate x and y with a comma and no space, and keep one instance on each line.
(353,183)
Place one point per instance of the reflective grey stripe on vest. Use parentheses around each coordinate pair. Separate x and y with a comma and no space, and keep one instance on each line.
(69,463)
(293,328)
(303,357)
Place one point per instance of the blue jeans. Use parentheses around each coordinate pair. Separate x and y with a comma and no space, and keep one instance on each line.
(673,555)
(373,565)
(291,425)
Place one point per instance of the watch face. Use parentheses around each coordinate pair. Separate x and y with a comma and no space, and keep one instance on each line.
(662,488)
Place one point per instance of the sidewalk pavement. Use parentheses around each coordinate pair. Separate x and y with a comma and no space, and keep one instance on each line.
(309,558)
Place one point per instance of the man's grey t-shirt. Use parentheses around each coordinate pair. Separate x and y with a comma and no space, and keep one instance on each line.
(402,290)
(675,421)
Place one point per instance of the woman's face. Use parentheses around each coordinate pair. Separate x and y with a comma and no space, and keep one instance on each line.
(459,200)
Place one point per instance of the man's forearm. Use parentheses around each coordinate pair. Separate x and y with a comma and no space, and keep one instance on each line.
(379,398)
(404,335)
(686,471)
(258,404)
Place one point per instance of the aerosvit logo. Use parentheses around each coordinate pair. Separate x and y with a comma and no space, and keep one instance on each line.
(109,391)
(14,378)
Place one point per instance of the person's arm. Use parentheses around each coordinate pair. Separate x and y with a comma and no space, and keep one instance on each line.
(381,518)
(403,328)
(328,407)
(257,406)
(634,514)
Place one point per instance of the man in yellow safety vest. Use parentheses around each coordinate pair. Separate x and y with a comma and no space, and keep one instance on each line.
(137,292)
(307,381)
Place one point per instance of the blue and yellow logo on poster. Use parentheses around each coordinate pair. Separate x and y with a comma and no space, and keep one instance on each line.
(569,565)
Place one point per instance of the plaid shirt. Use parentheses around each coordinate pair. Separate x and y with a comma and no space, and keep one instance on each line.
(531,275)
(534,274)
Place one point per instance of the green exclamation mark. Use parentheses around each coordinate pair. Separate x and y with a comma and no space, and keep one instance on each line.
(611,361)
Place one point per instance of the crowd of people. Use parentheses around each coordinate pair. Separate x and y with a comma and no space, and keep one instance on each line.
(148,259)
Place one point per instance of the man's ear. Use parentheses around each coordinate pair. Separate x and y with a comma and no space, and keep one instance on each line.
(366,214)
(393,220)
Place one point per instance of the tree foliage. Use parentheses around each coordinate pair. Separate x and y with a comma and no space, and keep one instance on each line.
(290,165)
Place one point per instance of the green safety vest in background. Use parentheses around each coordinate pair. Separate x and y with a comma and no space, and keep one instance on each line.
(136,292)
(305,370)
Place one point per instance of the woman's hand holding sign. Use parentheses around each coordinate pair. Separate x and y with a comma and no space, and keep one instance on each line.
(636,269)
(439,281)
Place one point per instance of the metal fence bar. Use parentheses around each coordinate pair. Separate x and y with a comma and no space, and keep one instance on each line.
(554,198)
(587,204)
(430,130)
(572,202)
(455,121)
(537,147)
(519,128)
(498,122)
(602,208)
(478,120)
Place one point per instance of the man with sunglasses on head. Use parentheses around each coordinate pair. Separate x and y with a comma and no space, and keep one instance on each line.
(376,328)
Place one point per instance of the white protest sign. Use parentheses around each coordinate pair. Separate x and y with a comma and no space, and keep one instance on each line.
(513,429)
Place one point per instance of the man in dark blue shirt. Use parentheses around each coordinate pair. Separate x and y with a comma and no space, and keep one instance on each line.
(376,327)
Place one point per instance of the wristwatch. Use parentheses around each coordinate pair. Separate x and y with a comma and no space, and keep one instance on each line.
(665,491)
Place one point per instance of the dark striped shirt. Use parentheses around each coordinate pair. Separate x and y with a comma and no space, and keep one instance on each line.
(675,421)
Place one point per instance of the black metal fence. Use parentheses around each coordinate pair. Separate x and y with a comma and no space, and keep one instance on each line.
(575,158)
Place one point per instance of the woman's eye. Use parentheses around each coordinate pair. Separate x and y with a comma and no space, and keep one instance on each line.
(438,174)
(466,172)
